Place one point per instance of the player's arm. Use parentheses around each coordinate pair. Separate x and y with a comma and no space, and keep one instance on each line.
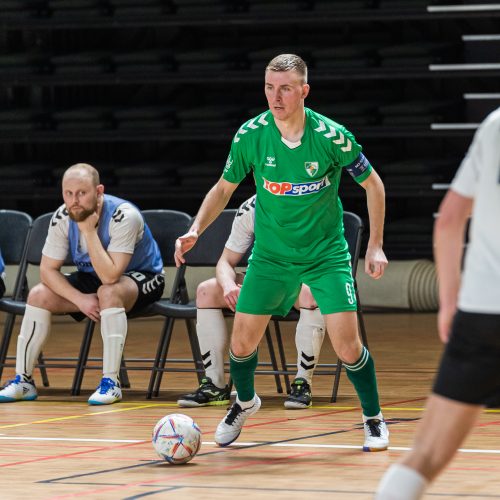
(375,259)
(226,276)
(449,232)
(214,203)
(51,276)
(109,266)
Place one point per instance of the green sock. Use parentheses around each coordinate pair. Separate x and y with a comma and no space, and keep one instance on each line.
(243,373)
(363,378)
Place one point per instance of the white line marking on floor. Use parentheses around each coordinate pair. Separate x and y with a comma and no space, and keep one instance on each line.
(212,443)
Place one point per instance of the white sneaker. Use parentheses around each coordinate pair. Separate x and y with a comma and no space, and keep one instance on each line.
(107,393)
(18,390)
(230,426)
(376,433)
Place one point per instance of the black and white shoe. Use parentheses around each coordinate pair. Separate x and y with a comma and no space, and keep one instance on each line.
(230,426)
(208,394)
(300,396)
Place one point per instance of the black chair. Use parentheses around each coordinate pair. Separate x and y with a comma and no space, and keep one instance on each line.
(20,239)
(206,253)
(166,226)
(353,230)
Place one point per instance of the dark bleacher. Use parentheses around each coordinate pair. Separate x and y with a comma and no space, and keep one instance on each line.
(152,91)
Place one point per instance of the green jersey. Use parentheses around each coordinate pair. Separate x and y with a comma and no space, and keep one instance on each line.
(298,214)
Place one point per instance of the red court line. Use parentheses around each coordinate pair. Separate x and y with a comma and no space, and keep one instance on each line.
(217,470)
(67,455)
(333,412)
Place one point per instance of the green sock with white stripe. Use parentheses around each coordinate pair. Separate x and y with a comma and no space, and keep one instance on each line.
(243,373)
(363,378)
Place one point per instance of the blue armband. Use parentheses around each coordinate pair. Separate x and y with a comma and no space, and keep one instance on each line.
(359,166)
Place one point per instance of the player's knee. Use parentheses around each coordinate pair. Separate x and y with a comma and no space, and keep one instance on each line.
(206,293)
(241,347)
(39,296)
(108,296)
(349,352)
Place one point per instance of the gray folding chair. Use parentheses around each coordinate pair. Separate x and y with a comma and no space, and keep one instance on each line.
(205,253)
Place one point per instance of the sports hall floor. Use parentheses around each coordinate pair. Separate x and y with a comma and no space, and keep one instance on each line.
(59,447)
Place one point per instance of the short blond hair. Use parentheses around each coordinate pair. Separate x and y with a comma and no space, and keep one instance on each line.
(288,62)
(83,170)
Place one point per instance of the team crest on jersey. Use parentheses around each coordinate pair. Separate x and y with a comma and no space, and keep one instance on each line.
(312,167)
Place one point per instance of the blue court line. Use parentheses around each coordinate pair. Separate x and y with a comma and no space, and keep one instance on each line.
(224,450)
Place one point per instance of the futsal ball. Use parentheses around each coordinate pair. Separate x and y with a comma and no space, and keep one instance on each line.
(176,438)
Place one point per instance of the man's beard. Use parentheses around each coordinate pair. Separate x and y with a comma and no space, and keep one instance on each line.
(82,214)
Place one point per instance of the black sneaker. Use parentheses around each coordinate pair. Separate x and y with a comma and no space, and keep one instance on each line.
(207,394)
(300,395)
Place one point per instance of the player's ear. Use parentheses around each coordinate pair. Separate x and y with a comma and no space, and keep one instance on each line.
(100,189)
(305,90)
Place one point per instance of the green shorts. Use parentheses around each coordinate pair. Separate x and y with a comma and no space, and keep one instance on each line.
(272,287)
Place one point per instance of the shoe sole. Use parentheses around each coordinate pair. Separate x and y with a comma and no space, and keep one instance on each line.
(5,399)
(367,448)
(93,402)
(193,404)
(294,405)
(223,445)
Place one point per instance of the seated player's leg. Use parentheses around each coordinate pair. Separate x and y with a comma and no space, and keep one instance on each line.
(333,288)
(35,329)
(309,336)
(133,291)
(212,337)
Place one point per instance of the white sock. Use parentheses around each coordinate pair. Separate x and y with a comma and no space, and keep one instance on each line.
(114,333)
(401,483)
(309,337)
(246,404)
(212,337)
(35,329)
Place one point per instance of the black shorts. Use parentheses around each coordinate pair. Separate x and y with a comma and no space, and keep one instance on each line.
(2,287)
(150,286)
(470,366)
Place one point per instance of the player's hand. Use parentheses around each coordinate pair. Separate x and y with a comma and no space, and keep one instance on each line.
(231,295)
(445,319)
(182,245)
(375,262)
(91,222)
(89,305)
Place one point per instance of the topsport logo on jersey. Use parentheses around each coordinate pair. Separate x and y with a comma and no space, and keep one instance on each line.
(295,189)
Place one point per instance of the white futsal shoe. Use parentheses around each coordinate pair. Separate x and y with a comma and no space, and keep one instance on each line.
(376,433)
(18,390)
(107,393)
(230,426)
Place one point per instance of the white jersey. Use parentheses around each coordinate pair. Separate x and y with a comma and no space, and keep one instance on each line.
(479,177)
(242,231)
(124,235)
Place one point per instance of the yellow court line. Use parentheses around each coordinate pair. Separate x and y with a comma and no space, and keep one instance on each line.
(386,409)
(69,417)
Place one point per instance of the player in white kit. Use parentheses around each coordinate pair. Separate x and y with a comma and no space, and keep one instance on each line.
(468,318)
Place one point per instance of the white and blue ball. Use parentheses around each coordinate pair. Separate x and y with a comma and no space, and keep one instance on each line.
(176,438)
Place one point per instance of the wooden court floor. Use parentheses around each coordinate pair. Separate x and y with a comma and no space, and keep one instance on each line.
(58,447)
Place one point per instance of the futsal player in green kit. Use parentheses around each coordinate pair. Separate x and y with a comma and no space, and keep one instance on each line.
(296,157)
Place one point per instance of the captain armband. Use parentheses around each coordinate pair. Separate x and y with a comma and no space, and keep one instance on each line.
(359,167)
